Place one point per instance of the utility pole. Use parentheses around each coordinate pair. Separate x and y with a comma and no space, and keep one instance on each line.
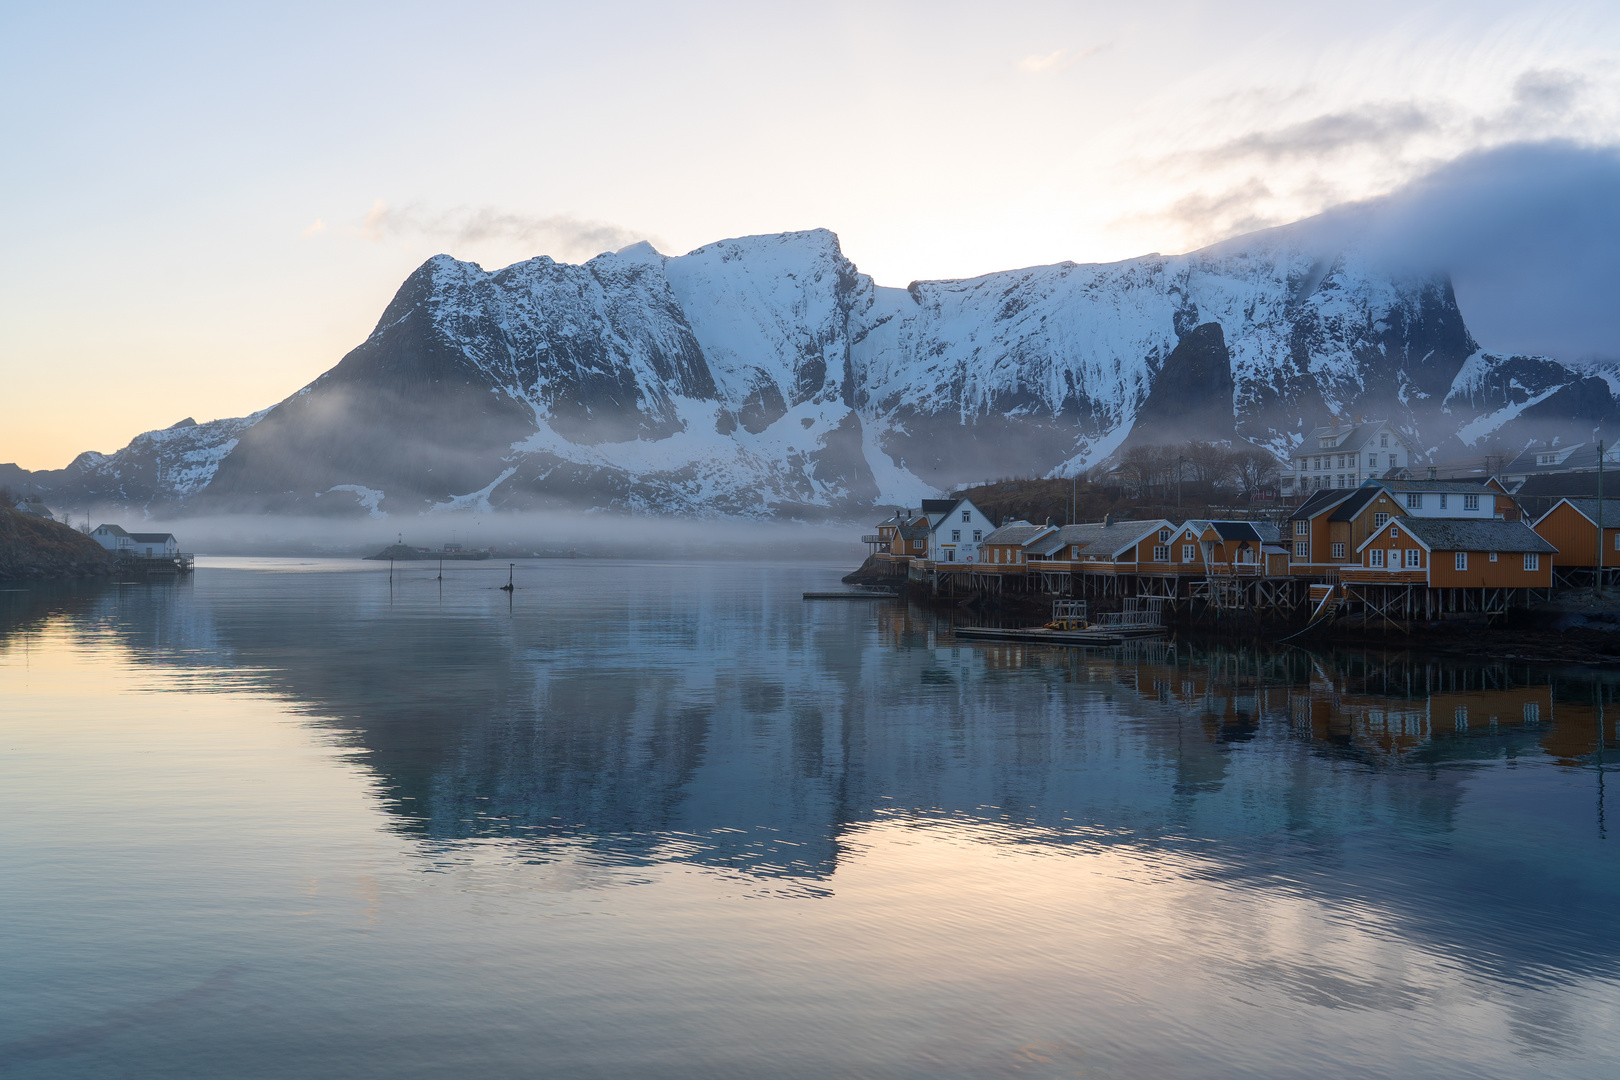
(1597,586)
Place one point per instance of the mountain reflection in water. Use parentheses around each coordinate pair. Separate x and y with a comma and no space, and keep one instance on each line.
(636,714)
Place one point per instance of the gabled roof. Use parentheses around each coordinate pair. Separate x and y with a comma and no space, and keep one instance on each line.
(1469,487)
(1588,509)
(1320,500)
(151,538)
(1237,530)
(1099,539)
(115,530)
(1346,436)
(914,532)
(1457,534)
(1017,532)
(1358,500)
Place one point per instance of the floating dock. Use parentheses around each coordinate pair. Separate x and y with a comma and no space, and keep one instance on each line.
(1040,635)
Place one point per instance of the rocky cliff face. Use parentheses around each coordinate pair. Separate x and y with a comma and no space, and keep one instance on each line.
(766,375)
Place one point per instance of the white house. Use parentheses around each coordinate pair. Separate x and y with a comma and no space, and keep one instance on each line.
(956,528)
(1344,454)
(114,538)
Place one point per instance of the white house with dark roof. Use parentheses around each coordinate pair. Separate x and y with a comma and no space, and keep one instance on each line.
(956,528)
(1344,454)
(114,538)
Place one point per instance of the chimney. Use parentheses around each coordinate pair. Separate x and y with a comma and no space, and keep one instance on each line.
(1108,519)
(1434,473)
(1048,523)
(1359,419)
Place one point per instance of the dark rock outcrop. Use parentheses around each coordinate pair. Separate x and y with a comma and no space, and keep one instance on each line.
(35,548)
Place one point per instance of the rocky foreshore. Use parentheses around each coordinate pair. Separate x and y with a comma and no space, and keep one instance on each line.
(36,548)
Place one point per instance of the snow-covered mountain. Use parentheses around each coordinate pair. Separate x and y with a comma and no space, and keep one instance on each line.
(767,375)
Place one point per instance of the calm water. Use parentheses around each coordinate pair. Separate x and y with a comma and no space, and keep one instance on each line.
(287,820)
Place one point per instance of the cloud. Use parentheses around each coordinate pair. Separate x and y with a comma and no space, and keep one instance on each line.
(1236,209)
(1057,60)
(1382,126)
(318,226)
(559,235)
(1530,233)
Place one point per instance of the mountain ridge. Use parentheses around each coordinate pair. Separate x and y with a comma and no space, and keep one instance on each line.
(767,375)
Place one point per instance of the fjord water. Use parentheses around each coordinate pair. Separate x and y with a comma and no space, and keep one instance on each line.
(294,819)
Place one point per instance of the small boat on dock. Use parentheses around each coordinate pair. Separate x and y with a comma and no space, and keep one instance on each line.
(1142,618)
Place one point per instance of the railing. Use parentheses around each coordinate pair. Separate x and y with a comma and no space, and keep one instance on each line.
(1237,570)
(1140,613)
(872,538)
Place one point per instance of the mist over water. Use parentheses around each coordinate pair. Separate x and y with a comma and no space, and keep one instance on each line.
(664,818)
(551,534)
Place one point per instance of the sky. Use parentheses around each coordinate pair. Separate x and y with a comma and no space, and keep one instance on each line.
(206,206)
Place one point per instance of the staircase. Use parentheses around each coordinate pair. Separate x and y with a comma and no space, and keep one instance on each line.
(1328,599)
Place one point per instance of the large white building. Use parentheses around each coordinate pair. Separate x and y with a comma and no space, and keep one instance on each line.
(956,528)
(1344,454)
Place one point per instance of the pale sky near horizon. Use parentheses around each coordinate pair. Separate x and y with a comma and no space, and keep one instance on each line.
(207,206)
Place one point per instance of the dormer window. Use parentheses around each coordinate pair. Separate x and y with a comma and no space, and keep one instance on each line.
(1323,443)
(1546,459)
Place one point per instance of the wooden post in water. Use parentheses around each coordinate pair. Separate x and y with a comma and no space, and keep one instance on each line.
(509,587)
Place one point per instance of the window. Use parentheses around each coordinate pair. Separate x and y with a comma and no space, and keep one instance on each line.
(1302,549)
(1318,464)
(1341,461)
(1161,553)
(978,534)
(1383,442)
(1470,502)
(1188,553)
(1617,541)
(1324,442)
(1414,500)
(1338,551)
(1302,528)
(1372,460)
(916,545)
(1304,463)
(1394,532)
(1375,557)
(1164,536)
(1442,500)
(1493,556)
(956,536)
(1546,459)
(1414,558)
(1462,560)
(1532,560)
(1379,521)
